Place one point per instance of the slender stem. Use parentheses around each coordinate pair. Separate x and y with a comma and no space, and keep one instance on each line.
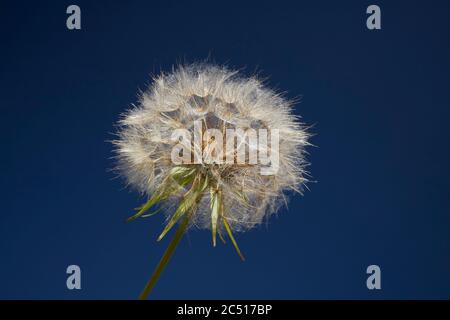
(166,257)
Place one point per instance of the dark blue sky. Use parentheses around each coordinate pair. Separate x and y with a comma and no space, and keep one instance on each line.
(379,100)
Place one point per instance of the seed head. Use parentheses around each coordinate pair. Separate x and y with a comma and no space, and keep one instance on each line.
(193,99)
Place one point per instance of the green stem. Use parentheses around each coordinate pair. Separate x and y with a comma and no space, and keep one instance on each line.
(166,257)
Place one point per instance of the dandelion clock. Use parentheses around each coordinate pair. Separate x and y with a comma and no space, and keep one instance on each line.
(210,149)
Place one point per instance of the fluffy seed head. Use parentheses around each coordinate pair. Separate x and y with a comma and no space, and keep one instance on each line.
(221,99)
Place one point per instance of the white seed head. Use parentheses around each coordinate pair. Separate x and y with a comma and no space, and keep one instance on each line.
(219,99)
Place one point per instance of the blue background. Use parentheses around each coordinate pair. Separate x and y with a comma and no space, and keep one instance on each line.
(379,102)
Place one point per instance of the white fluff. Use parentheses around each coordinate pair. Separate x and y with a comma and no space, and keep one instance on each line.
(214,94)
